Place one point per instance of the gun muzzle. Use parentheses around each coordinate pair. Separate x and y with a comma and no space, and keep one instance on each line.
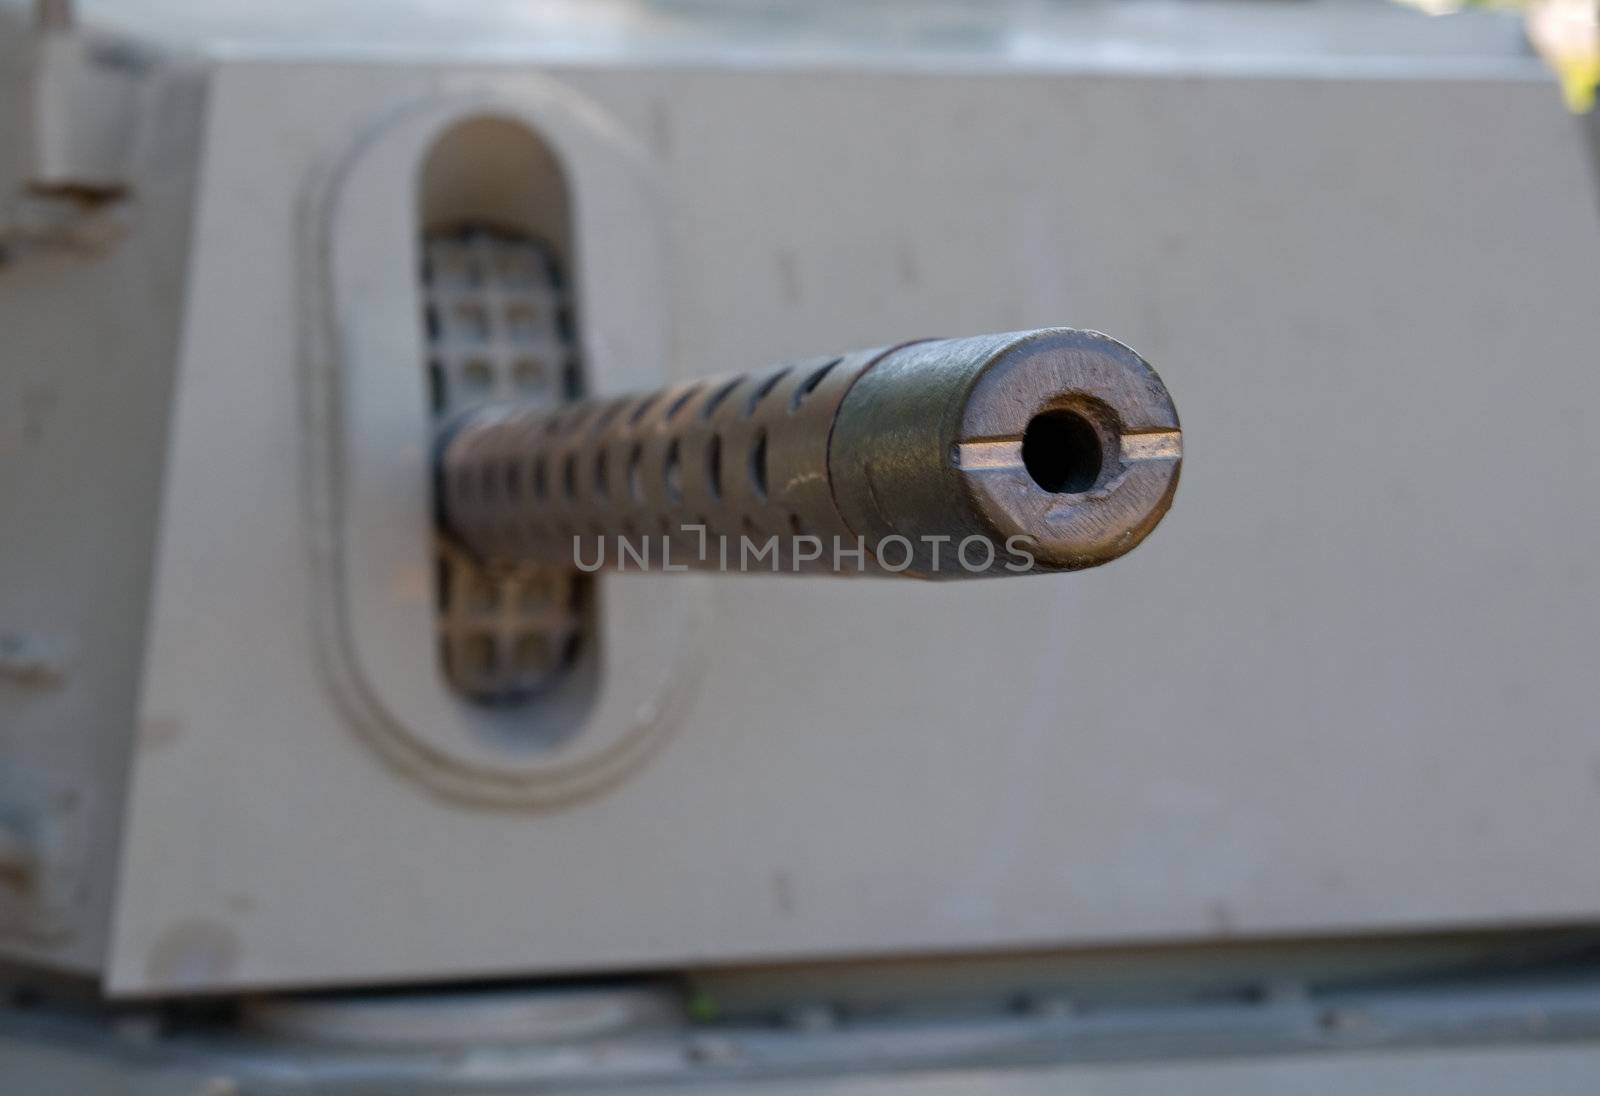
(1050,450)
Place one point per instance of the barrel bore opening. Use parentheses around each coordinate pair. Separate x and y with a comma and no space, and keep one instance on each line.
(1062,452)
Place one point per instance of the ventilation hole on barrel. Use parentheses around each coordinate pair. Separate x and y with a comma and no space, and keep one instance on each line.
(677,404)
(710,406)
(714,466)
(766,387)
(569,477)
(635,481)
(643,409)
(672,472)
(601,478)
(758,465)
(811,383)
(797,526)
(539,477)
(513,476)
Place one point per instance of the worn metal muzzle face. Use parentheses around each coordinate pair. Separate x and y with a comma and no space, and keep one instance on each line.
(1003,454)
(1064,437)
